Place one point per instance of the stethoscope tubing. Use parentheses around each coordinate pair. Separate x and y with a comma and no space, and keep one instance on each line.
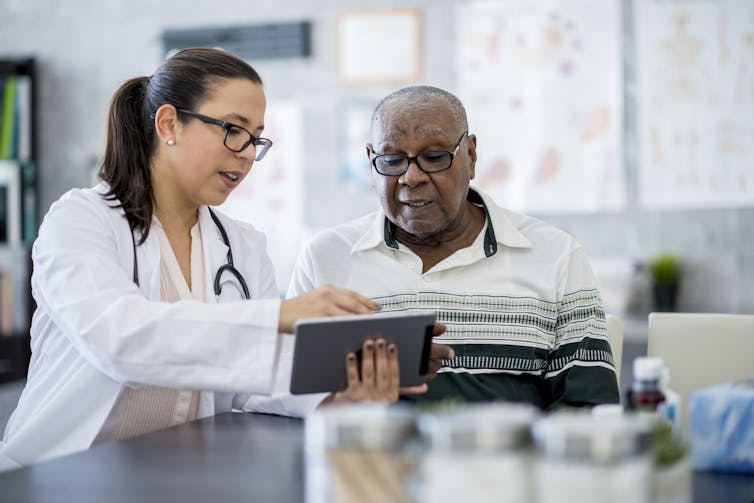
(229,266)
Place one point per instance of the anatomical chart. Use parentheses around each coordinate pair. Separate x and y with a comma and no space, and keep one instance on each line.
(695,89)
(542,85)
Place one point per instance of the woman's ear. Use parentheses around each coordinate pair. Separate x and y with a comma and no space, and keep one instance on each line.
(166,124)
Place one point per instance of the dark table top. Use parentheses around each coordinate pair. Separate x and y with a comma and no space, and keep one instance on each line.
(229,457)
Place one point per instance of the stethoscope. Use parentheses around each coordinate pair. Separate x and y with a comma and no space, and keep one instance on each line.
(229,267)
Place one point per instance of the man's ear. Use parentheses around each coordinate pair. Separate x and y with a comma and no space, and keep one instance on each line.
(166,124)
(369,160)
(471,150)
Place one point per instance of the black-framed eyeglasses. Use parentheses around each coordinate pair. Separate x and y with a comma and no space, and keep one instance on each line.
(237,139)
(431,161)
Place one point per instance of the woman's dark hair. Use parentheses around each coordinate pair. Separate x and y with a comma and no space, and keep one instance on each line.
(184,80)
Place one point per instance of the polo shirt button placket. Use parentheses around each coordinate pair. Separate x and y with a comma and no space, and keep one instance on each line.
(413,267)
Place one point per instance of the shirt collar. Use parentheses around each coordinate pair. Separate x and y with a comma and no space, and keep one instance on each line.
(500,229)
(505,232)
(375,234)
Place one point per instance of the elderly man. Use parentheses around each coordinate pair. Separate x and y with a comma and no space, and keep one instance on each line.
(520,302)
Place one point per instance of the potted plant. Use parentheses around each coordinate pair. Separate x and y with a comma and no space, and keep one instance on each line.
(671,472)
(665,269)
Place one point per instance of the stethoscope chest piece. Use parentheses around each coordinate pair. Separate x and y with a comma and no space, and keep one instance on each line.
(229,267)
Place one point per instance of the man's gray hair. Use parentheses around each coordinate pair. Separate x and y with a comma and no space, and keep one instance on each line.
(425,93)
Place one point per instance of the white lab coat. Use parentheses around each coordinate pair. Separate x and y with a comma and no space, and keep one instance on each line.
(95,332)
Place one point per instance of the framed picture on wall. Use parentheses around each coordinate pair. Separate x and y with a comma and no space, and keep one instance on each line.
(379,46)
(10,203)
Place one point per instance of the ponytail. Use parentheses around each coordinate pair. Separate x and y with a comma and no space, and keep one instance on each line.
(125,166)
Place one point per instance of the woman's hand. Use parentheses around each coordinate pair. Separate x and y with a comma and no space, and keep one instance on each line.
(379,377)
(327,300)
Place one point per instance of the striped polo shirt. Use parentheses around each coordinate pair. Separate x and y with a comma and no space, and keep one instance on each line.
(521,305)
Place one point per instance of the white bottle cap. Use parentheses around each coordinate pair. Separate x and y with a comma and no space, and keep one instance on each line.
(648,368)
(665,378)
(607,410)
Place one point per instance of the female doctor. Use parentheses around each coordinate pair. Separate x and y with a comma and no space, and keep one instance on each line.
(142,289)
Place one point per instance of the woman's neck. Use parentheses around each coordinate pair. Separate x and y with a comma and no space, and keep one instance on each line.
(177,223)
(173,210)
(176,220)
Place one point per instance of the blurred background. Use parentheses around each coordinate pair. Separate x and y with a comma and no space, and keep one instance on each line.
(629,124)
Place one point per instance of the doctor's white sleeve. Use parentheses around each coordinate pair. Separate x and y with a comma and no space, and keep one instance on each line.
(281,402)
(82,283)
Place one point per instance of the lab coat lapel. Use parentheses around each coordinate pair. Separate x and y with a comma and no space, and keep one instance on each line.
(215,255)
(148,260)
(215,252)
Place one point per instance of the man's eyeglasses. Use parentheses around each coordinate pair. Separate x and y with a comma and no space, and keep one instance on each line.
(431,161)
(236,137)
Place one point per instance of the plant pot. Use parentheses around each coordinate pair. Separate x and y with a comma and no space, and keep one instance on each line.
(665,297)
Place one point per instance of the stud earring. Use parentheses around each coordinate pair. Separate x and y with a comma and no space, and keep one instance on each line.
(170,143)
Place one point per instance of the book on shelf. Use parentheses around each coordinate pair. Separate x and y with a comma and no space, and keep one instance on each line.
(6,303)
(10,203)
(15,117)
(23,118)
(8,118)
(28,202)
(18,200)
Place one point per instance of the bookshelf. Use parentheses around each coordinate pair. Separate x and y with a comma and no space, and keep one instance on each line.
(18,211)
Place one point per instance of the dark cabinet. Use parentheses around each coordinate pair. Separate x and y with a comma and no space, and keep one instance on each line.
(18,211)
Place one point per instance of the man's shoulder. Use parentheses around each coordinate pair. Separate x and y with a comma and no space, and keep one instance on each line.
(539,232)
(344,235)
(536,227)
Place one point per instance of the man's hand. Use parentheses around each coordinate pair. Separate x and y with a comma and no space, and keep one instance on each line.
(438,352)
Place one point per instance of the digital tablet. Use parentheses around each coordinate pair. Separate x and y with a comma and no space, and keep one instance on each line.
(321,345)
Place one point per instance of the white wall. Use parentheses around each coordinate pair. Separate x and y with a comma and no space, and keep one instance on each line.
(86,48)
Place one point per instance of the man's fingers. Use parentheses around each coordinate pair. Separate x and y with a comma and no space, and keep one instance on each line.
(432,369)
(413,390)
(438,353)
(439,328)
(441,351)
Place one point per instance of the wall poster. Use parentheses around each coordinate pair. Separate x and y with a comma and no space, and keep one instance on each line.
(695,90)
(542,83)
